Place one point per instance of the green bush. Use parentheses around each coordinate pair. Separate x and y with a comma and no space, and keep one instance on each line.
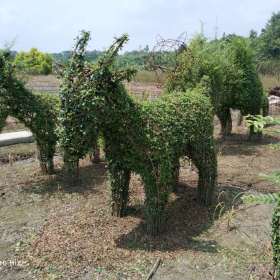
(38,112)
(34,62)
(146,138)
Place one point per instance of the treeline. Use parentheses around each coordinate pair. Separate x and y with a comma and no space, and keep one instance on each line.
(266,46)
(135,58)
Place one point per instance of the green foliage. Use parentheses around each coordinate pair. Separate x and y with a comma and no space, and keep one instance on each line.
(229,66)
(38,112)
(258,122)
(271,198)
(269,39)
(63,57)
(267,47)
(135,59)
(76,128)
(34,62)
(146,138)
(79,125)
(274,177)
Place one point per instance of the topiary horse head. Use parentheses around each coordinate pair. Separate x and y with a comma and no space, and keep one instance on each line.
(37,112)
(81,102)
(146,138)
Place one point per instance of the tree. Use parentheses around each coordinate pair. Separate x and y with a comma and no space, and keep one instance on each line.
(269,39)
(34,62)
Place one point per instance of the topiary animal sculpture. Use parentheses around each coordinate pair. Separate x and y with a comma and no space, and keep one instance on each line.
(37,112)
(146,138)
(230,67)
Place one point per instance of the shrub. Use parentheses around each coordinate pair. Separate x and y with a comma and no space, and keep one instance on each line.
(34,62)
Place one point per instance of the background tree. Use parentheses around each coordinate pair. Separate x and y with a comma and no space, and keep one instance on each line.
(34,62)
(269,39)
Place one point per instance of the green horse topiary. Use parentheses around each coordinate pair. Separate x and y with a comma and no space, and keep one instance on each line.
(38,112)
(146,138)
(229,65)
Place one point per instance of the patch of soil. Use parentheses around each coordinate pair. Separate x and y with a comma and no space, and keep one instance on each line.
(244,252)
(63,232)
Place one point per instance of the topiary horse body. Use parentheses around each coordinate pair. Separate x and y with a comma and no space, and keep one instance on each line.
(146,138)
(35,111)
(150,139)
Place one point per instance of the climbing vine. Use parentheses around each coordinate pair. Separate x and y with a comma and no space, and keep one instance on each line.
(146,138)
(38,112)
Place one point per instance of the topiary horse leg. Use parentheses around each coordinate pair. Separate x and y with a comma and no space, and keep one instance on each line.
(254,136)
(240,119)
(95,156)
(119,179)
(50,166)
(204,157)
(226,122)
(46,161)
(156,198)
(3,117)
(175,174)
(265,106)
(71,165)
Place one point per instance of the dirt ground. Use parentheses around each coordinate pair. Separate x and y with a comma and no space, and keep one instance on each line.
(49,230)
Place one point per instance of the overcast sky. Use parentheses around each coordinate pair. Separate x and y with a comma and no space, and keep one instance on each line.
(51,25)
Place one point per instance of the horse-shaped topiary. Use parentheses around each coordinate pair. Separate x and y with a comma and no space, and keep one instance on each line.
(38,112)
(146,138)
(229,65)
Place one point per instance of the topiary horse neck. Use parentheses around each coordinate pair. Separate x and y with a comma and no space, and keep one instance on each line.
(147,138)
(36,112)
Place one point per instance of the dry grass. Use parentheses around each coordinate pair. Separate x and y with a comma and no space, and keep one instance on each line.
(269,81)
(149,77)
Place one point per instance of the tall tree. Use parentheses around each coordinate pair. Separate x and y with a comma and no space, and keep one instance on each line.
(269,40)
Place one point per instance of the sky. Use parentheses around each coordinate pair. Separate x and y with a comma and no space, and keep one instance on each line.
(52,25)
